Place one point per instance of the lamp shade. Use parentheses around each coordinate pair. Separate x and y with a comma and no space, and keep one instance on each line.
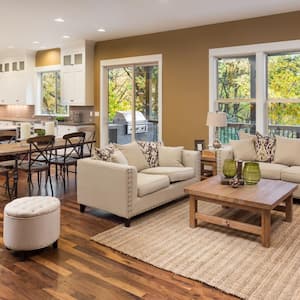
(216,119)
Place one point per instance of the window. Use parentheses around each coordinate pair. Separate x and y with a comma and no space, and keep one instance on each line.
(131,99)
(50,94)
(258,86)
(283,93)
(236,95)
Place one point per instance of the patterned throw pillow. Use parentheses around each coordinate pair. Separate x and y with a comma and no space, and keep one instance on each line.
(265,147)
(150,150)
(104,153)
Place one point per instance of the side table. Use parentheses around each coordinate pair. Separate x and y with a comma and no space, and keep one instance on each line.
(208,164)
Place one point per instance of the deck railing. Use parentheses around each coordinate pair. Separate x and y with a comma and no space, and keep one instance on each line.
(231,131)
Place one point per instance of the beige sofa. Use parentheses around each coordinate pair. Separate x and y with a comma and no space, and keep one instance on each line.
(122,190)
(268,170)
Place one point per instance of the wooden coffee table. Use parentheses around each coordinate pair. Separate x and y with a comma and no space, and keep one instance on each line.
(261,198)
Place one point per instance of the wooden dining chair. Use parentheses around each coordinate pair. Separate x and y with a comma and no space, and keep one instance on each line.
(7,137)
(73,150)
(89,141)
(39,160)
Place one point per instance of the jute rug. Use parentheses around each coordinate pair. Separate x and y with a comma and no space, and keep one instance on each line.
(229,260)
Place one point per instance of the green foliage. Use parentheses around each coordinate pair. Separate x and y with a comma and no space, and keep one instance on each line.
(284,84)
(120,90)
(51,100)
(234,78)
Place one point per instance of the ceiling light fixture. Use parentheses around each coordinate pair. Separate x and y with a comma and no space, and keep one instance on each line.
(11,47)
(36,42)
(59,20)
(101,30)
(65,36)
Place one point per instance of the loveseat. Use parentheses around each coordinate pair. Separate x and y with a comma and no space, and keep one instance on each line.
(278,158)
(128,180)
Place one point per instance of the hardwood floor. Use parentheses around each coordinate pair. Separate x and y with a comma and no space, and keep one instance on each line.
(82,269)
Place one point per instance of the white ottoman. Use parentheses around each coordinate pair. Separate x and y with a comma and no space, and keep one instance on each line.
(31,223)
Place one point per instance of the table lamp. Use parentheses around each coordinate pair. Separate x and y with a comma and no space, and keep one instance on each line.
(216,120)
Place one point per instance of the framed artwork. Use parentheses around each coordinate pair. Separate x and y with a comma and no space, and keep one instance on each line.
(199,145)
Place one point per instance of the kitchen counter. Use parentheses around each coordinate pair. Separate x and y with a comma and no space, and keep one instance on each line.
(70,123)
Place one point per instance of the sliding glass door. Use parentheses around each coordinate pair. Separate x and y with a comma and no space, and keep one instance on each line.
(132,103)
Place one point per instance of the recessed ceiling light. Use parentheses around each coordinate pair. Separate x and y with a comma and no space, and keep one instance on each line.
(59,20)
(35,42)
(101,30)
(65,36)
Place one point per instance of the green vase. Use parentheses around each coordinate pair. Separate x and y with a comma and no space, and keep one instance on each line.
(229,168)
(251,173)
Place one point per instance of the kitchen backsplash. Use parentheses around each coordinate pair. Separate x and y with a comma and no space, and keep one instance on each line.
(15,112)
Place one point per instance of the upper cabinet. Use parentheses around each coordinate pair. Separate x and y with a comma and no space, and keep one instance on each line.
(77,74)
(16,79)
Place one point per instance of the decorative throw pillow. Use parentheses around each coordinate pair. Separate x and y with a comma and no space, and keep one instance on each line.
(243,149)
(150,151)
(264,147)
(119,158)
(170,156)
(134,155)
(104,153)
(287,151)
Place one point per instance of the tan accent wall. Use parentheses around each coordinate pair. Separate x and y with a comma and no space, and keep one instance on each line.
(185,66)
(47,57)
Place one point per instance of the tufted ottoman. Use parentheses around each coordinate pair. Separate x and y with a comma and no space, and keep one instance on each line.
(31,223)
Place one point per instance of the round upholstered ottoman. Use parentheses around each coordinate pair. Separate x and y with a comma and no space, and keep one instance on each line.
(31,223)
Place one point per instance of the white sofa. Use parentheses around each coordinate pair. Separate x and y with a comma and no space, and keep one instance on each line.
(121,190)
(268,170)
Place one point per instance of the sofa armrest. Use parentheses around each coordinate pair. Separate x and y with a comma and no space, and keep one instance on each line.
(108,186)
(192,159)
(221,154)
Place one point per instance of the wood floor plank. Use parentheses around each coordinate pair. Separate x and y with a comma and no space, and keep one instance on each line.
(113,281)
(84,270)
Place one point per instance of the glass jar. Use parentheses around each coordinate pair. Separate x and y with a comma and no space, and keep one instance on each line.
(251,173)
(229,168)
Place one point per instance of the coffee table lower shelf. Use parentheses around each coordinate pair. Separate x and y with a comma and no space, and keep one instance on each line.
(264,231)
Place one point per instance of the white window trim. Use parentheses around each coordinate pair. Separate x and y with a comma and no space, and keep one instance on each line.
(104,64)
(37,86)
(261,51)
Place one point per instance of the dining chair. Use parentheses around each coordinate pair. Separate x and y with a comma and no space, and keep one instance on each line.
(72,151)
(7,137)
(89,141)
(38,160)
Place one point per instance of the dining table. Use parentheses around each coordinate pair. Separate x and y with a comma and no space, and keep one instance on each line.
(21,149)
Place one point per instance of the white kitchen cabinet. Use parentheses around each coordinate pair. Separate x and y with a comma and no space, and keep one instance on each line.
(66,129)
(16,78)
(77,75)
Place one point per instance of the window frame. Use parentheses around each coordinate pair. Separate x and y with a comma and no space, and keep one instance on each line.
(39,93)
(135,60)
(261,51)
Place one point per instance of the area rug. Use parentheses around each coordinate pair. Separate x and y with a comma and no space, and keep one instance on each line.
(229,260)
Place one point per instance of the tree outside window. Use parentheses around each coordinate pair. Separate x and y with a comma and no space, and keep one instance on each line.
(51,94)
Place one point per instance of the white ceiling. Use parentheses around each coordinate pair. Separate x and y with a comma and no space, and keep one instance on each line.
(25,21)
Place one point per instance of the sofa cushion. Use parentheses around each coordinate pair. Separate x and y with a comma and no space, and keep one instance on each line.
(174,173)
(264,147)
(150,151)
(104,153)
(245,135)
(119,158)
(243,149)
(271,170)
(170,156)
(147,184)
(134,155)
(287,151)
(291,174)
